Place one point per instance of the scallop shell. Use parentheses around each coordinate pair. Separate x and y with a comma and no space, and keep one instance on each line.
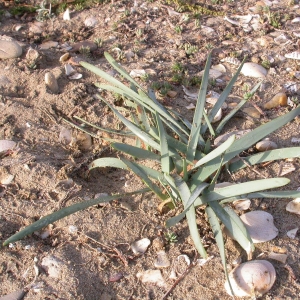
(260,226)
(294,206)
(140,246)
(251,278)
(293,55)
(231,60)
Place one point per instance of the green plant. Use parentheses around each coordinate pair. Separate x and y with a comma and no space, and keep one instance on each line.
(178,29)
(171,237)
(189,167)
(86,51)
(177,67)
(190,49)
(44,13)
(98,42)
(266,64)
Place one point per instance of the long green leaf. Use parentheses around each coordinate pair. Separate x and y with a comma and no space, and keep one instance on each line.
(243,143)
(174,220)
(197,120)
(136,152)
(164,149)
(41,223)
(190,215)
(241,189)
(265,156)
(135,168)
(217,231)
(216,152)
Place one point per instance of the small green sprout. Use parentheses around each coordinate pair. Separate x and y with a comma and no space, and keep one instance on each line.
(178,29)
(171,237)
(99,42)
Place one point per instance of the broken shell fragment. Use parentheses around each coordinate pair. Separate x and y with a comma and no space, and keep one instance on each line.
(162,260)
(265,145)
(279,99)
(69,70)
(152,276)
(253,70)
(6,145)
(64,57)
(251,278)
(281,257)
(293,55)
(292,233)
(66,15)
(242,204)
(140,246)
(260,226)
(76,76)
(6,179)
(218,116)
(51,82)
(294,206)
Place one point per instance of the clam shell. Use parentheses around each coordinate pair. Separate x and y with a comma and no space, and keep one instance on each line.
(64,57)
(293,55)
(218,116)
(292,233)
(266,145)
(253,70)
(294,206)
(242,204)
(260,226)
(251,278)
(75,76)
(140,246)
(66,15)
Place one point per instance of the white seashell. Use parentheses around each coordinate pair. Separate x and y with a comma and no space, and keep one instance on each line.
(66,15)
(76,76)
(180,265)
(6,145)
(64,57)
(140,246)
(294,206)
(286,169)
(231,60)
(251,278)
(242,204)
(69,70)
(51,82)
(137,73)
(32,54)
(219,68)
(260,226)
(296,20)
(162,260)
(253,70)
(190,106)
(6,179)
(278,256)
(218,116)
(292,233)
(293,55)
(152,276)
(265,145)
(222,138)
(91,22)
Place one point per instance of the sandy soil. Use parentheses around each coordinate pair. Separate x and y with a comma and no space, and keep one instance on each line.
(95,258)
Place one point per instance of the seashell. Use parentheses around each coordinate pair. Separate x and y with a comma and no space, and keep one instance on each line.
(162,260)
(281,40)
(293,55)
(279,99)
(253,70)
(265,145)
(286,169)
(51,82)
(6,179)
(69,70)
(75,76)
(66,15)
(140,246)
(137,73)
(222,138)
(292,233)
(231,60)
(189,94)
(91,22)
(242,204)
(260,226)
(202,261)
(219,68)
(181,264)
(9,48)
(6,145)
(84,141)
(251,278)
(152,276)
(64,57)
(296,20)
(32,54)
(294,206)
(278,256)
(190,106)
(48,45)
(218,116)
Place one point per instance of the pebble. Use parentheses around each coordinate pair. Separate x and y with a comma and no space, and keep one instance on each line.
(9,48)
(172,94)
(64,57)
(91,22)
(4,80)
(51,82)
(266,145)
(152,276)
(252,112)
(76,47)
(49,44)
(253,70)
(292,233)
(294,206)
(279,99)
(52,265)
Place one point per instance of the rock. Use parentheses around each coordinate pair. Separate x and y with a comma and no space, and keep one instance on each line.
(51,82)
(84,44)
(9,48)
(253,70)
(84,141)
(52,266)
(172,94)
(266,145)
(279,99)
(48,45)
(252,112)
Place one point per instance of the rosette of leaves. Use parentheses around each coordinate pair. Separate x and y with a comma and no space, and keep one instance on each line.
(189,166)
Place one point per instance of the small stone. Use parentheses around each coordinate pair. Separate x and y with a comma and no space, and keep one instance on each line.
(84,44)
(158,244)
(49,44)
(279,99)
(84,141)
(9,48)
(172,94)
(292,233)
(162,260)
(294,206)
(152,276)
(253,70)
(51,82)
(52,266)
(91,22)
(64,57)
(266,145)
(140,246)
(4,80)
(252,112)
